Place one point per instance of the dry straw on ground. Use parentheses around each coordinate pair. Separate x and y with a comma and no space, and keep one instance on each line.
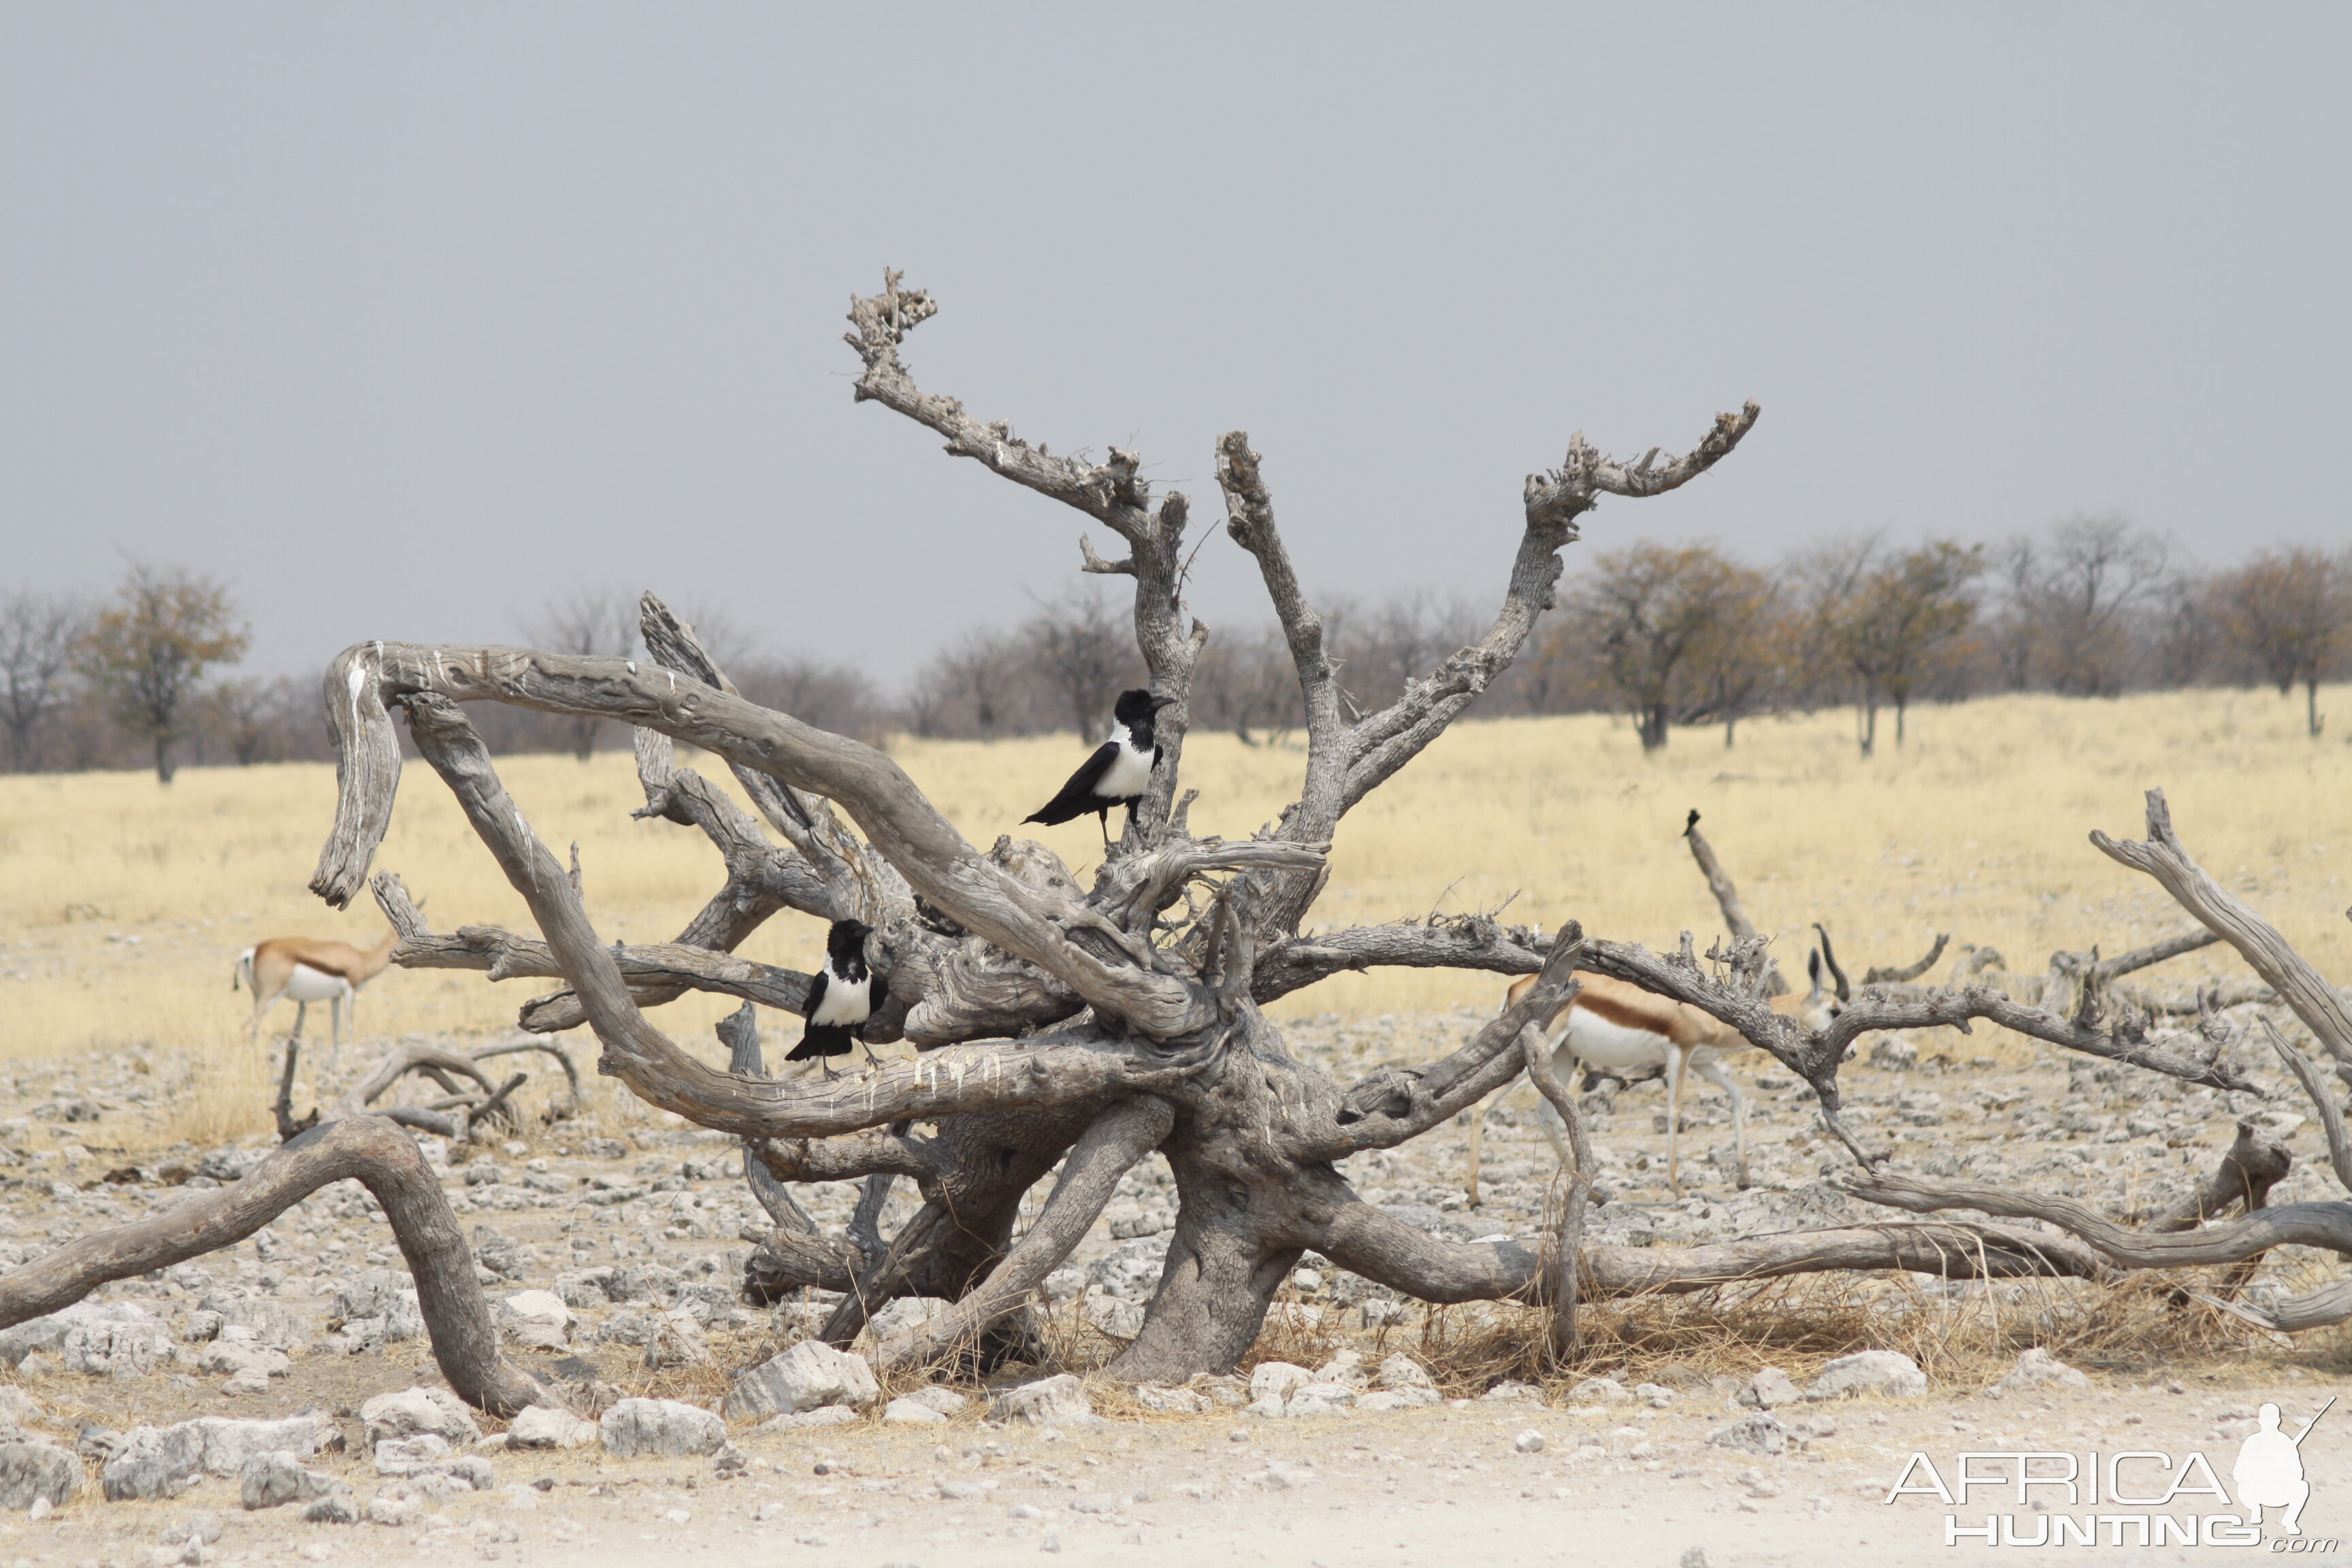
(123,903)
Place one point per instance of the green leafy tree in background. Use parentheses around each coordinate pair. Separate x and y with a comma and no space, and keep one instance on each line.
(147,652)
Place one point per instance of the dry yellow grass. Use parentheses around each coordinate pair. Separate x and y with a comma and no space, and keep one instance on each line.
(1976,826)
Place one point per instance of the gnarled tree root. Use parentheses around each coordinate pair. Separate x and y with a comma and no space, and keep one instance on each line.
(371,1150)
(1390,1252)
(2328,1225)
(1108,1150)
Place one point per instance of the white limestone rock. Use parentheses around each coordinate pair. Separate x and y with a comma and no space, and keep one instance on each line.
(545,1427)
(1048,1402)
(660,1428)
(804,1377)
(414,1410)
(1890,1373)
(2037,1368)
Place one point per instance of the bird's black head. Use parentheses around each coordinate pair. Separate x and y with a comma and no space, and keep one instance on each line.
(1137,707)
(846,941)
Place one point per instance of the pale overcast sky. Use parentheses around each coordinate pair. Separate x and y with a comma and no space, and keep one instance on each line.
(405,317)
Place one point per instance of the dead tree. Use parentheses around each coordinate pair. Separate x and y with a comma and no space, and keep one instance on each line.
(1087,1026)
(1052,1020)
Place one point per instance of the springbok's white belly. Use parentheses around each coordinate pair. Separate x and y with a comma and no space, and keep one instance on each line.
(308,984)
(1597,1042)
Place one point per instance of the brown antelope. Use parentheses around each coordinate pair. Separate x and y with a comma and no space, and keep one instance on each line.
(1612,1025)
(305,970)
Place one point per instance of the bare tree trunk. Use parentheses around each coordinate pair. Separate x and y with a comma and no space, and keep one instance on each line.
(2311,703)
(1649,722)
(1869,721)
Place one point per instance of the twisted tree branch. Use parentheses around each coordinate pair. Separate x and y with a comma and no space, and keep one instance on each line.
(2164,858)
(370,1150)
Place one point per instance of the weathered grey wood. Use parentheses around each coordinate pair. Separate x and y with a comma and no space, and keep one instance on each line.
(655,972)
(739,1032)
(2321,1224)
(2331,1115)
(898,821)
(1293,963)
(370,1150)
(1345,761)
(1391,1106)
(2163,856)
(1909,971)
(408,1056)
(2242,1178)
(1090,1173)
(1043,1071)
(1726,898)
(1561,1256)
(1145,993)
(2154,952)
(1365,1240)
(2321,1309)
(1112,493)
(1167,959)
(562,1058)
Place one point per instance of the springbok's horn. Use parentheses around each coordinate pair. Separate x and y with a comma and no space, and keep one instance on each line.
(1829,956)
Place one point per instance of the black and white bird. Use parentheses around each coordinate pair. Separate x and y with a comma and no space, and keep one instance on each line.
(1118,771)
(843,994)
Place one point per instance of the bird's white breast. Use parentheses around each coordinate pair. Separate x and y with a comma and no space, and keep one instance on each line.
(1129,771)
(845,1002)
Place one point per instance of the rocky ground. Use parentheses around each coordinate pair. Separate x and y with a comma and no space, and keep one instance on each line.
(613,1244)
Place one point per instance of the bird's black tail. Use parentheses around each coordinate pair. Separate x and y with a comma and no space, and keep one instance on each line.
(823,1040)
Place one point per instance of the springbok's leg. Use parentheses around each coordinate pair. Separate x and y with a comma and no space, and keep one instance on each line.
(263,1000)
(301,1012)
(1713,1072)
(336,1026)
(1674,1117)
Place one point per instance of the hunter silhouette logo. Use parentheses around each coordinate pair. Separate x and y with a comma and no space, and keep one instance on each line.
(2269,1471)
(2131,1498)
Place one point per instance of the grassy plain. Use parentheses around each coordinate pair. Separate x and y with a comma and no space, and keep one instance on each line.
(123,903)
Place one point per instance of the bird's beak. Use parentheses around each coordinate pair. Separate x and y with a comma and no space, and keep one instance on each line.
(1159,703)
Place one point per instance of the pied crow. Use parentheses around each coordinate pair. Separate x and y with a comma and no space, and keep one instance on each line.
(843,994)
(1118,771)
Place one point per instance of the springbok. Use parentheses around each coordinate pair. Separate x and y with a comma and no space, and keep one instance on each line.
(1611,1024)
(305,970)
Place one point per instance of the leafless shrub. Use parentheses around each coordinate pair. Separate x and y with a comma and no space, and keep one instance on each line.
(38,634)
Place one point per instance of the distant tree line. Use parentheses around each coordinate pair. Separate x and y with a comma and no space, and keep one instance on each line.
(1679,635)
(1670,636)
